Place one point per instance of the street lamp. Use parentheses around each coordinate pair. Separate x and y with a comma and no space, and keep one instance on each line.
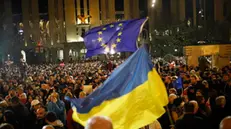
(153,3)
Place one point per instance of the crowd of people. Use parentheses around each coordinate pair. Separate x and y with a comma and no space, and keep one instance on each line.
(32,96)
(197,99)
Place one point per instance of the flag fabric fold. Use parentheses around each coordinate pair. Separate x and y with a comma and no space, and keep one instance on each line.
(115,37)
(133,96)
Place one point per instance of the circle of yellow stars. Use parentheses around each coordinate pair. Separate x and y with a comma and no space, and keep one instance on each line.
(118,39)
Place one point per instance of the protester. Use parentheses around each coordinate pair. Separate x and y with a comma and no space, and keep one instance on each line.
(6,126)
(226,123)
(48,127)
(52,119)
(99,122)
(26,98)
(189,120)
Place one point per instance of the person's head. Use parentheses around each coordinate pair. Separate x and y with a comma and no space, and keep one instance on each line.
(172,91)
(6,126)
(51,117)
(55,95)
(12,93)
(99,122)
(35,104)
(189,108)
(69,94)
(221,101)
(225,77)
(205,83)
(199,93)
(82,94)
(226,123)
(48,127)
(14,101)
(195,105)
(200,99)
(214,77)
(168,79)
(41,113)
(185,99)
(171,98)
(20,90)
(193,79)
(29,99)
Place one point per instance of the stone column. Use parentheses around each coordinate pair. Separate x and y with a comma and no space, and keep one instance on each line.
(8,33)
(61,21)
(103,11)
(174,12)
(85,10)
(78,2)
(25,20)
(94,12)
(70,21)
(127,9)
(51,13)
(135,9)
(218,10)
(35,20)
(8,16)
(194,13)
(111,5)
(182,10)
(85,7)
(66,53)
(54,55)
(159,12)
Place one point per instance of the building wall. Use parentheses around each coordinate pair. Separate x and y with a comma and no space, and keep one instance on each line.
(131,9)
(8,31)
(218,10)
(70,21)
(220,54)
(35,20)
(26,19)
(60,17)
(94,13)
(52,28)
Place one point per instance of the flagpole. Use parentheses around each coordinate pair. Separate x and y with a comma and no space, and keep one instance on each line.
(141,29)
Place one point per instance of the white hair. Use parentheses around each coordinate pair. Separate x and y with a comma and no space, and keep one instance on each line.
(98,122)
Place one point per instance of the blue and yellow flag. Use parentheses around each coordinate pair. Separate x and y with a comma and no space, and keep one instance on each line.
(133,96)
(116,37)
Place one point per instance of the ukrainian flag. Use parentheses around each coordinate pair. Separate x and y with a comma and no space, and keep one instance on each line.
(133,96)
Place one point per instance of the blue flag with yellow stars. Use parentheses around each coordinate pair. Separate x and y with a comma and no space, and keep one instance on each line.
(116,37)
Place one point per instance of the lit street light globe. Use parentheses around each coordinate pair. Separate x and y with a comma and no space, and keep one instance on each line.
(153,3)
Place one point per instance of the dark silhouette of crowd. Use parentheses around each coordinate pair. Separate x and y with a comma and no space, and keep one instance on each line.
(34,97)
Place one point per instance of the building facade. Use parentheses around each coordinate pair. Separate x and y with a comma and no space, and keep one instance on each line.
(61,35)
(195,13)
(176,11)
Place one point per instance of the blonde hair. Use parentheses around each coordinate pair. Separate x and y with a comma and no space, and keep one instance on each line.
(82,94)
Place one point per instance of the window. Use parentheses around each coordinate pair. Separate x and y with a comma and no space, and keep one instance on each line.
(119,5)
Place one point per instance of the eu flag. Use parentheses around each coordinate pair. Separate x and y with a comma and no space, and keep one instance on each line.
(116,37)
